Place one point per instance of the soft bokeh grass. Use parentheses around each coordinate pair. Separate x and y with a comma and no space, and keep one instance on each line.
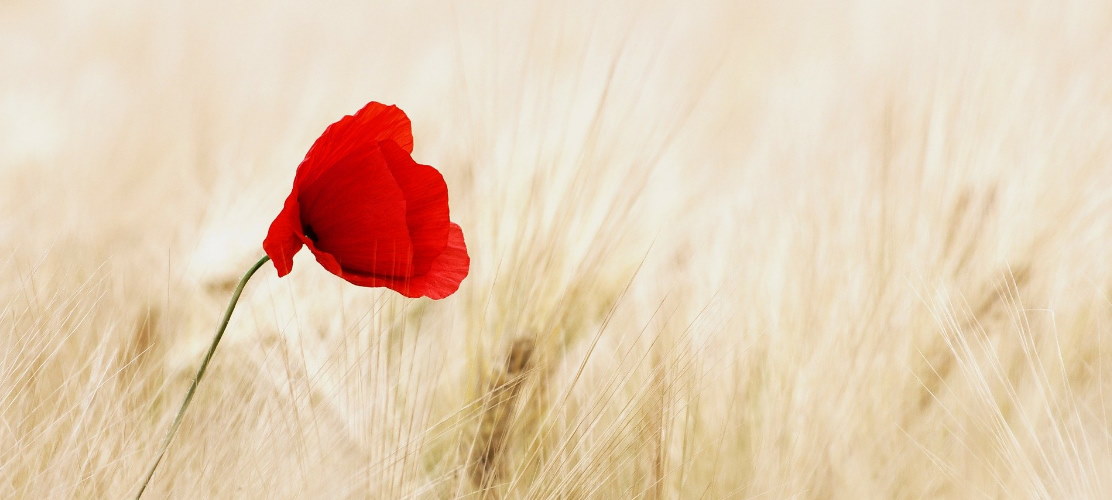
(720,250)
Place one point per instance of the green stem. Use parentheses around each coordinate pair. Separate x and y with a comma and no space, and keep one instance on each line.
(201,372)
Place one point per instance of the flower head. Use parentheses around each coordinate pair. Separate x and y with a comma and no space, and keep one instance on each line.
(369,213)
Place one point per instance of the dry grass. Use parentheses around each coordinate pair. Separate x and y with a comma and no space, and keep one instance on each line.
(721,250)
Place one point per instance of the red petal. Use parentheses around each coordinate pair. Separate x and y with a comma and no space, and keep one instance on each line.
(426,198)
(326,260)
(282,240)
(375,122)
(356,212)
(443,278)
(447,271)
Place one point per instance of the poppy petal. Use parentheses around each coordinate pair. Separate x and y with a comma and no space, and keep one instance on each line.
(443,279)
(426,197)
(356,212)
(374,122)
(325,259)
(282,240)
(448,270)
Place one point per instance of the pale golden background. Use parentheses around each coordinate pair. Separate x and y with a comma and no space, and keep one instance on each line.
(737,249)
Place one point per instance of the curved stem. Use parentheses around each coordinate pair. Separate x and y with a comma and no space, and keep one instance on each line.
(201,371)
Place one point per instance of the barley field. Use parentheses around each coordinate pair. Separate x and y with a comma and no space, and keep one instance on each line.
(720,250)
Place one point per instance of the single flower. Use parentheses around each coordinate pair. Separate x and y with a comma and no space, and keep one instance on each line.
(369,213)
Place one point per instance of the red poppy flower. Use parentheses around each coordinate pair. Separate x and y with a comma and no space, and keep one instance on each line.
(369,213)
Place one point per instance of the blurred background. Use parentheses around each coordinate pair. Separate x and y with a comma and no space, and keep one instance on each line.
(720,249)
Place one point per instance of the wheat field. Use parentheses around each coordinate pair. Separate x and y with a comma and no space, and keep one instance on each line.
(720,249)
